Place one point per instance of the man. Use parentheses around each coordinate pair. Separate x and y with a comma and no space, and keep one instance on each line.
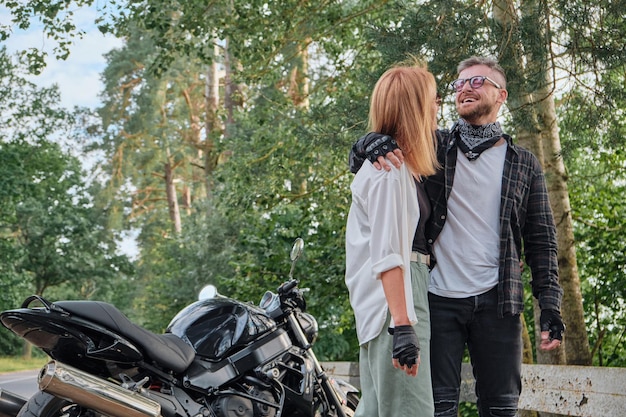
(490,202)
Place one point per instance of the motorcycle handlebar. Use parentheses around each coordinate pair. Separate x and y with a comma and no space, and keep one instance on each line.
(287,286)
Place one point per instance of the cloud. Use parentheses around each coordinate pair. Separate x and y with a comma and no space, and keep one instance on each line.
(78,77)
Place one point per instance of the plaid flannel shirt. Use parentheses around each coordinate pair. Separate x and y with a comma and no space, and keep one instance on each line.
(526,223)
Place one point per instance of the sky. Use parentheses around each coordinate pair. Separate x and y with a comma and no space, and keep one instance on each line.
(78,77)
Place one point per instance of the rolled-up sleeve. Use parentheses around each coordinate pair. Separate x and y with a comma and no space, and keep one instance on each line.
(387,212)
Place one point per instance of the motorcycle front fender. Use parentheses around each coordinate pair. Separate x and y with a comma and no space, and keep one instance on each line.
(10,403)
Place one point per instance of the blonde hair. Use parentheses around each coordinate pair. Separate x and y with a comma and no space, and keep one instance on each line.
(402,106)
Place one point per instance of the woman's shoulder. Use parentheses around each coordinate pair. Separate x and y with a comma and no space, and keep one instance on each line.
(369,172)
(369,178)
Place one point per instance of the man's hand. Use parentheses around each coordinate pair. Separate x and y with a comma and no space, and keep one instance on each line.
(406,349)
(396,158)
(552,329)
(375,146)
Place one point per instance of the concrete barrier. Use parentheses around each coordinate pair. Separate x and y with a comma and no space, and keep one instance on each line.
(583,391)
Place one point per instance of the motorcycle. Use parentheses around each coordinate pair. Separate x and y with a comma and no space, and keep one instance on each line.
(218,357)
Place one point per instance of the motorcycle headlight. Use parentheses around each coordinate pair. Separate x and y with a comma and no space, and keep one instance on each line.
(309,326)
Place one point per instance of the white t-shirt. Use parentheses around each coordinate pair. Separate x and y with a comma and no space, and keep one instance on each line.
(379,233)
(468,248)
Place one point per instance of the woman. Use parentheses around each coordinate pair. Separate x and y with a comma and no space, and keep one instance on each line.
(387,281)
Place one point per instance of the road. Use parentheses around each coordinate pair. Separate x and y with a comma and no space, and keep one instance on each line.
(23,383)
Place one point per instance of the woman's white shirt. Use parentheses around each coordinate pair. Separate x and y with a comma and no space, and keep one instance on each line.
(381,225)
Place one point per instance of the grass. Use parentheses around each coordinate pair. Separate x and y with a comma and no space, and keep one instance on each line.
(13,364)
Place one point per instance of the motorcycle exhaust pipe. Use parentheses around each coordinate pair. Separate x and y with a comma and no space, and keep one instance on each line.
(95,393)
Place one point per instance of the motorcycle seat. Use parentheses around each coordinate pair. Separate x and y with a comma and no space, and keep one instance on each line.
(166,349)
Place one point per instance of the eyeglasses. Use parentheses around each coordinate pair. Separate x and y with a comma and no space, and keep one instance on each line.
(476,81)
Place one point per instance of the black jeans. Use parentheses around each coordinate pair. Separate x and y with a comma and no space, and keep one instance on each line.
(495,348)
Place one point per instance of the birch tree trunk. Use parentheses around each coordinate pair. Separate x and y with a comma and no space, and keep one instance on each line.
(172,199)
(230,89)
(577,351)
(535,118)
(212,123)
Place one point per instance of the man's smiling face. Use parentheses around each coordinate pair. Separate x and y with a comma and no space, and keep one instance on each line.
(480,105)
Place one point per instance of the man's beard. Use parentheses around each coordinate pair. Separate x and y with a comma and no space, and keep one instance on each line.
(482,109)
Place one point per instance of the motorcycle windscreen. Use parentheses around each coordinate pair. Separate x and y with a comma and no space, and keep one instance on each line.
(217,327)
(68,339)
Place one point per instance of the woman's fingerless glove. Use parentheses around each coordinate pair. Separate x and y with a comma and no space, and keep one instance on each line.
(406,347)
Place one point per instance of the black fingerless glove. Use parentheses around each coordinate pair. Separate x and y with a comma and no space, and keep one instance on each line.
(550,320)
(370,146)
(406,347)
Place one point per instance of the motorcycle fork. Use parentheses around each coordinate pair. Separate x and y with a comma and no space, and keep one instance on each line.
(329,391)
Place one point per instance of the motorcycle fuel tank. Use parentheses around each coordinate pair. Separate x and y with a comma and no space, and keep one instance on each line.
(216,327)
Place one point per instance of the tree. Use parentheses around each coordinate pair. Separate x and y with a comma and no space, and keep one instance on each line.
(530,60)
(52,234)
(597,177)
(49,230)
(48,215)
(56,19)
(152,134)
(597,139)
(262,155)
(278,152)
(524,39)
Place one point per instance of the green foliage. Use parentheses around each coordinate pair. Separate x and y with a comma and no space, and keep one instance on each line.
(592,146)
(468,410)
(48,230)
(48,219)
(174,270)
(264,37)
(13,288)
(286,173)
(297,188)
(26,112)
(56,19)
(149,123)
(594,31)
(281,167)
(50,234)
(593,134)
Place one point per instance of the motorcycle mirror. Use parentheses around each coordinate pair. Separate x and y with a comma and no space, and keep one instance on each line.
(296,252)
(207,292)
(297,249)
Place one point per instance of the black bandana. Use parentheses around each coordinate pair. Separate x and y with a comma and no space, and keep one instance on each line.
(476,139)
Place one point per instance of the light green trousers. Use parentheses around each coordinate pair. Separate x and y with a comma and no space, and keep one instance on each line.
(385,390)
